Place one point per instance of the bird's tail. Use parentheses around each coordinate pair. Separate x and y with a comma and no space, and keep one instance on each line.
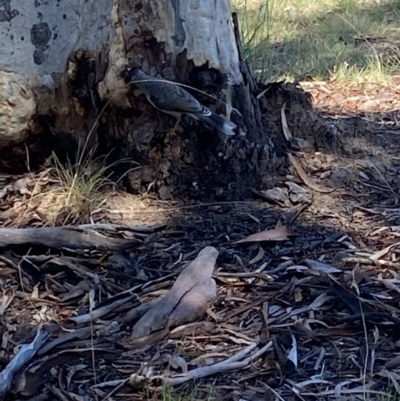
(220,123)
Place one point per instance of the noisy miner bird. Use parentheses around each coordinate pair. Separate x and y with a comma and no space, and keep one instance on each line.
(171,98)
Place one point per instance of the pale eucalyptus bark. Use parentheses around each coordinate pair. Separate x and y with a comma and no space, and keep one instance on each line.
(61,61)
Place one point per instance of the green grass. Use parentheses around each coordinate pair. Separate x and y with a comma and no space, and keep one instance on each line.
(189,392)
(320,39)
(392,394)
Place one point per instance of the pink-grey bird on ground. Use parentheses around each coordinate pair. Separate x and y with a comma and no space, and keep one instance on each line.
(172,99)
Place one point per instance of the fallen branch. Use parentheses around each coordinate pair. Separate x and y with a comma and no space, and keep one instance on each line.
(22,358)
(119,300)
(72,237)
(232,363)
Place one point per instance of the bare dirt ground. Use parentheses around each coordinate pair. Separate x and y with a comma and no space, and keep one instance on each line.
(322,304)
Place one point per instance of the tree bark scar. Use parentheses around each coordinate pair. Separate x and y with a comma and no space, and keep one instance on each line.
(40,37)
(180,35)
(6,14)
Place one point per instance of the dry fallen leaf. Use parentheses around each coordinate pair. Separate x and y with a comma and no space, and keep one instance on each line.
(280,233)
(306,179)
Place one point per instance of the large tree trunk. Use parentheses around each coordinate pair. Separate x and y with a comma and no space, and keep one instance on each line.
(62,61)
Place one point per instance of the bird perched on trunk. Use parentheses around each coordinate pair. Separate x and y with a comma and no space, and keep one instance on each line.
(172,99)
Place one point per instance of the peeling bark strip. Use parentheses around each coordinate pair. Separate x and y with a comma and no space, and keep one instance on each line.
(180,35)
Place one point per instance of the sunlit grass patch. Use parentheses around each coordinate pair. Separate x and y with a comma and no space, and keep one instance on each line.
(304,39)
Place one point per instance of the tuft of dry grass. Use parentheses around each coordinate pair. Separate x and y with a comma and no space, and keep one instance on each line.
(62,194)
(80,187)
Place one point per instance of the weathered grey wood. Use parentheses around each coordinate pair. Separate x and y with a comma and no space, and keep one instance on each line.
(63,237)
(37,40)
